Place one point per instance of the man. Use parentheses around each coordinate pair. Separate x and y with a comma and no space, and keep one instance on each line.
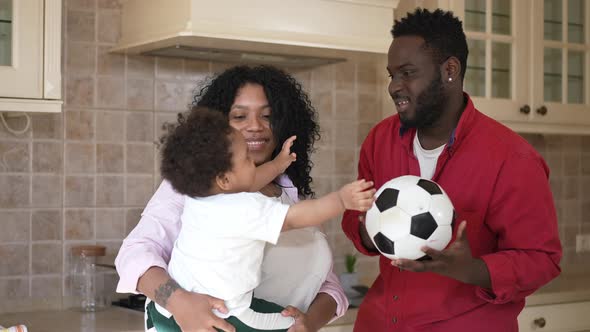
(505,243)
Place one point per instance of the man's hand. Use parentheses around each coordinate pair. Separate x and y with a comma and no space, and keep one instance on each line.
(302,324)
(192,312)
(357,195)
(455,262)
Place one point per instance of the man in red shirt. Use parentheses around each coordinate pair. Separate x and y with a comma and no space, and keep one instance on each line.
(505,242)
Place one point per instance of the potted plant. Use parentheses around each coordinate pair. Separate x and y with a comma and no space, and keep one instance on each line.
(350,277)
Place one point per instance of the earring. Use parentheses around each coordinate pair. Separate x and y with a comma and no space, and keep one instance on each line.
(450,79)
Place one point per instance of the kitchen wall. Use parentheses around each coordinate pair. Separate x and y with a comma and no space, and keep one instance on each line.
(83,176)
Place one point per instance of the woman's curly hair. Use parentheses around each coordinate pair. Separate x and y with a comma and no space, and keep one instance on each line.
(196,150)
(291,112)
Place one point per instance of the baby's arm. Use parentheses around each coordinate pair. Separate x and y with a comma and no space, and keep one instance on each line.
(357,195)
(268,171)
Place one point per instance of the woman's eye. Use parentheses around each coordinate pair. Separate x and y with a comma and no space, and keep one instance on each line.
(238,117)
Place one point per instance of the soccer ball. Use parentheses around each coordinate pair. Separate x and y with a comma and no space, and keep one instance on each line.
(408,214)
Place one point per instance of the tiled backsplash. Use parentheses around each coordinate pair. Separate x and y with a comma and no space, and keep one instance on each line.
(83,176)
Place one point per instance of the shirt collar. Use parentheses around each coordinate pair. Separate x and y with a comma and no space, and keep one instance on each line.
(458,133)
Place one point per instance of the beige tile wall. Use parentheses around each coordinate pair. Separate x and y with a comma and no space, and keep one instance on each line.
(83,176)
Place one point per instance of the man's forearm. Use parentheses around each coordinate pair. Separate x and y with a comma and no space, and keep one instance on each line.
(157,284)
(480,275)
(365,238)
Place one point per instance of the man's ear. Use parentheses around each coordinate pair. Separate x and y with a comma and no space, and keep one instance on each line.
(451,70)
(222,181)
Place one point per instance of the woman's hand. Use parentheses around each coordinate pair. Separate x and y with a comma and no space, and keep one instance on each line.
(192,312)
(302,324)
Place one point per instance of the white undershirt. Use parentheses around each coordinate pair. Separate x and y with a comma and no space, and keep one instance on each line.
(427,159)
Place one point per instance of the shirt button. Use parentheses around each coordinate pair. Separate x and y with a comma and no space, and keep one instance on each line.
(395,297)
(394,320)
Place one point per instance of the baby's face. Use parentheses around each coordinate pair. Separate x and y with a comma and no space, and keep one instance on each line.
(243,169)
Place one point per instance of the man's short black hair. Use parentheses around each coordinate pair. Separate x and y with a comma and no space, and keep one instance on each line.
(442,32)
(196,150)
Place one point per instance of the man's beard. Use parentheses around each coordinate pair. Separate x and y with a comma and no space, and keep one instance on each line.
(430,105)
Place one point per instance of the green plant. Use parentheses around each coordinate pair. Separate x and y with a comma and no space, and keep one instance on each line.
(350,263)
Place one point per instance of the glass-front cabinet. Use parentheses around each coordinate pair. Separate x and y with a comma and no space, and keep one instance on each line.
(560,61)
(529,61)
(30,55)
(497,66)
(5,33)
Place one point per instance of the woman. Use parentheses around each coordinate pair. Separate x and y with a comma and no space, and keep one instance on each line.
(267,106)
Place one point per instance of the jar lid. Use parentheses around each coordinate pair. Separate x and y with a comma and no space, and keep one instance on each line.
(89,251)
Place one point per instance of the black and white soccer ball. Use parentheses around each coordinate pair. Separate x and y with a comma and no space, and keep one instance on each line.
(409,213)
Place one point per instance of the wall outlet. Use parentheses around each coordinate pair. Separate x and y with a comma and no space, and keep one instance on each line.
(582,242)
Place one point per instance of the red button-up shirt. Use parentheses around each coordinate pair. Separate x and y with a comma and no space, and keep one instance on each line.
(499,184)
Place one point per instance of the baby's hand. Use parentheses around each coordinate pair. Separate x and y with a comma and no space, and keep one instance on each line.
(357,195)
(285,157)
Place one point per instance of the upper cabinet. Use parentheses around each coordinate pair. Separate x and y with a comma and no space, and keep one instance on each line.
(529,62)
(30,55)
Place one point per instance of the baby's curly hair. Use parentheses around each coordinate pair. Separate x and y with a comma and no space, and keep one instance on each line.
(196,150)
(442,33)
(292,112)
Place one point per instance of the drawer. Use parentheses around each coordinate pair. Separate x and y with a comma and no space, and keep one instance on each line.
(563,317)
(337,328)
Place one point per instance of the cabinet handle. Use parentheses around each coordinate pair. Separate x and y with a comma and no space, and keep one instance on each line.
(542,110)
(526,109)
(540,322)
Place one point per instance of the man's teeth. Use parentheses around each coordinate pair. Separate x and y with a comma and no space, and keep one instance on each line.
(402,102)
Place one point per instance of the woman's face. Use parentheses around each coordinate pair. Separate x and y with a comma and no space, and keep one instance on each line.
(250,114)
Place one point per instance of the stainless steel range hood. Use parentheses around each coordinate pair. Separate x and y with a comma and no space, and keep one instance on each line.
(291,33)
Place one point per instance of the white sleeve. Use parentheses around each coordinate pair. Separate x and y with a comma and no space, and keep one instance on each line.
(263,217)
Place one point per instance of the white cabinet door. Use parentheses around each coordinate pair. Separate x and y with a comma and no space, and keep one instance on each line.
(30,55)
(498,63)
(561,58)
(529,61)
(565,317)
(337,328)
(21,67)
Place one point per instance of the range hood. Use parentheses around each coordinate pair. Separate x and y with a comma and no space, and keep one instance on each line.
(290,33)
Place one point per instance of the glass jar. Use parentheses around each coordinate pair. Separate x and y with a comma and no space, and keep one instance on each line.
(87,280)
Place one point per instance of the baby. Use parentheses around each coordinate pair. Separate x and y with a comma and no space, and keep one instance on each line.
(226,222)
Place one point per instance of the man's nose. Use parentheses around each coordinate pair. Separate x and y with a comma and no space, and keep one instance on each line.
(394,86)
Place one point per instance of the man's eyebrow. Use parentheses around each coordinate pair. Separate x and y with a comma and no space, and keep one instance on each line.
(402,66)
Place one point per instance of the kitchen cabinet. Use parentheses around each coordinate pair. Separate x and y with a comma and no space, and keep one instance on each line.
(529,61)
(563,317)
(337,328)
(30,55)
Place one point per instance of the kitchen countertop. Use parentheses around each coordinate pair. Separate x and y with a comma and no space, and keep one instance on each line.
(113,319)
(116,319)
